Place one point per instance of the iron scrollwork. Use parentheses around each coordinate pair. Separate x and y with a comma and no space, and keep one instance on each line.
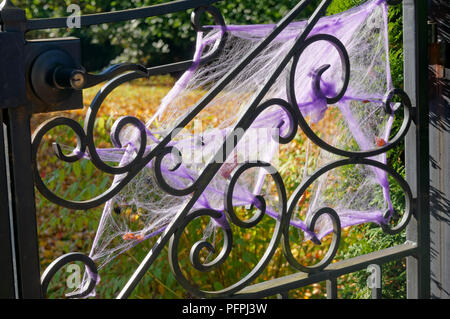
(64,260)
(227,245)
(172,233)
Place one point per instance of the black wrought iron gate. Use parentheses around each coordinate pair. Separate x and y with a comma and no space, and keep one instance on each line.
(39,76)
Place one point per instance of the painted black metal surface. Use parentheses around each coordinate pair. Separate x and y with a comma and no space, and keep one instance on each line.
(121,15)
(69,78)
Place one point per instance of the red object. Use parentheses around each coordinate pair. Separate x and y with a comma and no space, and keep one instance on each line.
(379,141)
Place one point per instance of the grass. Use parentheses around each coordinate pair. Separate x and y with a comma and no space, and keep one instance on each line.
(63,230)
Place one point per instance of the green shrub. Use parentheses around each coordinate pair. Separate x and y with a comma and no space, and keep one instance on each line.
(394,274)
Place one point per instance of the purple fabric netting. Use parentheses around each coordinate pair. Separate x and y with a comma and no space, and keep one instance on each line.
(359,117)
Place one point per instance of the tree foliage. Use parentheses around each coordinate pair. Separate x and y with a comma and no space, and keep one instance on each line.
(150,41)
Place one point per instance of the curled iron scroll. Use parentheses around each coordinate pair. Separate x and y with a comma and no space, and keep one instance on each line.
(300,190)
(195,250)
(310,223)
(202,244)
(64,260)
(219,20)
(85,142)
(330,100)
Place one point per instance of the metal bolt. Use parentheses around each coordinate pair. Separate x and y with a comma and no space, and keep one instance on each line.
(77,80)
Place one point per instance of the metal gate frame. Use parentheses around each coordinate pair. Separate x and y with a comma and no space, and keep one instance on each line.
(19,257)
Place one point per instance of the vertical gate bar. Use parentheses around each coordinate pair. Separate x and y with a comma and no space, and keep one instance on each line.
(332,288)
(7,270)
(423,151)
(16,116)
(377,293)
(283,295)
(377,290)
(23,202)
(409,56)
(417,144)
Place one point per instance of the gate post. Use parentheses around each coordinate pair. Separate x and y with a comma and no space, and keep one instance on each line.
(439,16)
(8,288)
(18,169)
(415,45)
